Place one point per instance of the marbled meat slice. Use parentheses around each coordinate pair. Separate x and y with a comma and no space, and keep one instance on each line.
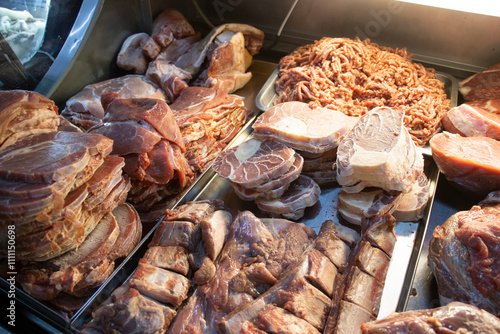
(474,119)
(254,162)
(473,163)
(295,124)
(455,317)
(378,152)
(302,193)
(482,85)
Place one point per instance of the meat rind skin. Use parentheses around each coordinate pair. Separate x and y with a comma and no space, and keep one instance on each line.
(470,120)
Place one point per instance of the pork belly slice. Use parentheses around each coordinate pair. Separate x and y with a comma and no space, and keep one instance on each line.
(392,162)
(351,316)
(482,85)
(214,231)
(174,258)
(472,163)
(276,320)
(474,120)
(177,233)
(372,260)
(160,284)
(302,193)
(363,290)
(413,203)
(315,130)
(455,317)
(131,313)
(254,162)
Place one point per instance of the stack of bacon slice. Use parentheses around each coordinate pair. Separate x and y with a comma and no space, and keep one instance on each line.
(56,187)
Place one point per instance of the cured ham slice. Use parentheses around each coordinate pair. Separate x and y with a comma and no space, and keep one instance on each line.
(455,317)
(254,162)
(474,119)
(463,255)
(378,152)
(472,163)
(303,128)
(482,85)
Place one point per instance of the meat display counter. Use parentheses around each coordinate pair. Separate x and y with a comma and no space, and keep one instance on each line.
(82,40)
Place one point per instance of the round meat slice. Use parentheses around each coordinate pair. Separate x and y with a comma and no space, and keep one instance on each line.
(251,194)
(287,178)
(254,162)
(413,204)
(301,193)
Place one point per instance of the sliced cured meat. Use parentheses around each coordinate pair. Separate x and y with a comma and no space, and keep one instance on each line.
(301,127)
(85,109)
(471,162)
(455,317)
(136,51)
(378,152)
(482,85)
(463,255)
(367,203)
(474,119)
(413,203)
(254,162)
(302,193)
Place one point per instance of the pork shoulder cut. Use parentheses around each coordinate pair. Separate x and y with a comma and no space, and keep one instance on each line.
(472,163)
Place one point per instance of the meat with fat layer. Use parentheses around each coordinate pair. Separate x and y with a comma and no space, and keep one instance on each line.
(170,24)
(136,51)
(472,163)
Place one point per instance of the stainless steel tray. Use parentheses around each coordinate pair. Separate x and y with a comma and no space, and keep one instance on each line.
(260,72)
(267,96)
